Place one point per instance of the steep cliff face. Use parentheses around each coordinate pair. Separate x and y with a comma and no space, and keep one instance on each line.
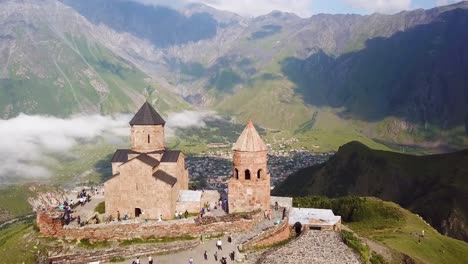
(433,186)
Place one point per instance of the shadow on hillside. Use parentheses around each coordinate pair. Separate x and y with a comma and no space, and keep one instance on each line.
(419,75)
(160,25)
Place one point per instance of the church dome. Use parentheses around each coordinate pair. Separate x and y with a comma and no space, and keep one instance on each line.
(249,140)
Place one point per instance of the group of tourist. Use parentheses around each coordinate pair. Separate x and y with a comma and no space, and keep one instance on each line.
(83,197)
(67,207)
(179,215)
(219,246)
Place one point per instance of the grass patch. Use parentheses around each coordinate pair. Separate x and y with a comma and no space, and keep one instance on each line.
(214,236)
(100,208)
(153,239)
(85,243)
(355,243)
(117,259)
(393,227)
(18,243)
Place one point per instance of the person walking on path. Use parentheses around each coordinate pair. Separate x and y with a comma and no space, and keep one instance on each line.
(150,260)
(186,214)
(205,255)
(137,260)
(190,260)
(202,238)
(276,206)
(219,244)
(216,256)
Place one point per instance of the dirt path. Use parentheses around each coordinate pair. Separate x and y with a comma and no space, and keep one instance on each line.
(373,245)
(197,254)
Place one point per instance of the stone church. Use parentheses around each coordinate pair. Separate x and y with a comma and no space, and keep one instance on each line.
(148,177)
(249,187)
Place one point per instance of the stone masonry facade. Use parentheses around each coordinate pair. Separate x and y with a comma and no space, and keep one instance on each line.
(249,187)
(50,226)
(148,177)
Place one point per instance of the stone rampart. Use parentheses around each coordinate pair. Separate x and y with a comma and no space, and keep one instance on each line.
(130,229)
(269,236)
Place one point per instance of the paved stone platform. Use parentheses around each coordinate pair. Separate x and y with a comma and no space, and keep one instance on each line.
(314,247)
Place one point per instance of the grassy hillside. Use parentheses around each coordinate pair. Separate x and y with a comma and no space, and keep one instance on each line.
(393,227)
(56,66)
(19,244)
(434,186)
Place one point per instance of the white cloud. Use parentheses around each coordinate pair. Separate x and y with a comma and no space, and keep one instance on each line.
(187,119)
(29,140)
(380,6)
(445,2)
(29,143)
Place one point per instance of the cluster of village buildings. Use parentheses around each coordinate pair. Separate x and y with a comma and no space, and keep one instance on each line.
(216,166)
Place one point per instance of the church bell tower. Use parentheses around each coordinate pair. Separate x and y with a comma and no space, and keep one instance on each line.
(249,187)
(147,130)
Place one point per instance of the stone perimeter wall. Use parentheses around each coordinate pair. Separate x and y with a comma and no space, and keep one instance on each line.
(269,236)
(51,227)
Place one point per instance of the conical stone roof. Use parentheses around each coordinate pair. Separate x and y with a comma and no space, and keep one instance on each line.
(250,140)
(147,116)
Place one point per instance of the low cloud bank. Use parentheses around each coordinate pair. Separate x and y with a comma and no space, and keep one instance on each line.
(29,142)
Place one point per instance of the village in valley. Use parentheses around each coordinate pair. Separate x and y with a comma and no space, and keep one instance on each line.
(215,165)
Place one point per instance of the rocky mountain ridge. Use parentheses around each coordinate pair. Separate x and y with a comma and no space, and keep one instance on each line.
(322,66)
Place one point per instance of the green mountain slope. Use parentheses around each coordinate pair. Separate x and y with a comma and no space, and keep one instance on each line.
(395,229)
(50,63)
(434,186)
(399,78)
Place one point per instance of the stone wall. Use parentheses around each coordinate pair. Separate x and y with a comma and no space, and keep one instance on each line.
(282,234)
(136,187)
(282,201)
(246,193)
(50,223)
(139,138)
(191,207)
(125,230)
(269,236)
(245,196)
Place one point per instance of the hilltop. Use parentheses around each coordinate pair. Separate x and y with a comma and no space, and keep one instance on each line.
(433,186)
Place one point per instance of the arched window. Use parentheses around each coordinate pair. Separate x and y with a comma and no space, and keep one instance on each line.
(259,173)
(149,138)
(237,173)
(247,174)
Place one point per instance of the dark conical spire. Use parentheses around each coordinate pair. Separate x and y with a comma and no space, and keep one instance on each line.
(147,116)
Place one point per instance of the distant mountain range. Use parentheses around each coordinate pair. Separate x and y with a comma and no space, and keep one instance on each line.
(397,78)
(434,186)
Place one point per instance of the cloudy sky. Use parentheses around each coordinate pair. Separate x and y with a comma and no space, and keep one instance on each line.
(307,8)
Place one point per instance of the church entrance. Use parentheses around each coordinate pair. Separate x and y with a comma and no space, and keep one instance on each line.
(137,212)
